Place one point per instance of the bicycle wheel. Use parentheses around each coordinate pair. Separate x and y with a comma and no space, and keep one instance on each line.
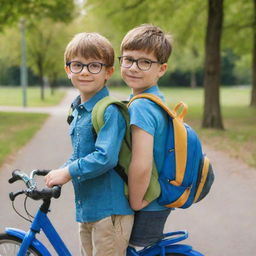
(10,245)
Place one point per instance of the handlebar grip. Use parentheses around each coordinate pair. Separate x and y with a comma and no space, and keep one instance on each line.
(56,191)
(42,172)
(16,175)
(45,193)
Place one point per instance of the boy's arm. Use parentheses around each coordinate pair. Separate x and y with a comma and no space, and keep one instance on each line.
(104,158)
(107,147)
(140,167)
(69,161)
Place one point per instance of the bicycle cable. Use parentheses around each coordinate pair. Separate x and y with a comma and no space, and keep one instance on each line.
(13,206)
(25,207)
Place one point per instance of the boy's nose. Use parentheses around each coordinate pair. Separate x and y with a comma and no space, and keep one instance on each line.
(85,71)
(134,66)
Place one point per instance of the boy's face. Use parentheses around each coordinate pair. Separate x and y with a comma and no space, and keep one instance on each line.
(86,82)
(137,79)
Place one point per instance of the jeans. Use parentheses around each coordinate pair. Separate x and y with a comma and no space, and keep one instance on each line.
(148,227)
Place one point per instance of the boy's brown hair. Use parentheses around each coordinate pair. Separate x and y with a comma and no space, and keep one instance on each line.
(90,45)
(148,38)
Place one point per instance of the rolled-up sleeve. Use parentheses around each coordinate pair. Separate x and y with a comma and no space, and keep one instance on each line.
(107,147)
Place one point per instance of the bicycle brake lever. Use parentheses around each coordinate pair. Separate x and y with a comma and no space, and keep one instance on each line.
(12,195)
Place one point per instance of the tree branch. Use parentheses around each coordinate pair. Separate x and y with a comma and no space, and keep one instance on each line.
(235,26)
(127,7)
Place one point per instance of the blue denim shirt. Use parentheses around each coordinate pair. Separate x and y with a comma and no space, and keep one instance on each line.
(148,116)
(99,191)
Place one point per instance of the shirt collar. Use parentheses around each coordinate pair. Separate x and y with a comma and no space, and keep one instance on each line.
(88,105)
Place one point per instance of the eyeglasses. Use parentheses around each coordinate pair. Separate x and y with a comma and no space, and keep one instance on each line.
(93,67)
(142,63)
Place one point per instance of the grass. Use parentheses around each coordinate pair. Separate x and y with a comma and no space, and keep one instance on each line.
(16,129)
(12,96)
(239,137)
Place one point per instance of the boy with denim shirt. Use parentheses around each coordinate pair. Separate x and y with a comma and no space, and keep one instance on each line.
(145,51)
(102,210)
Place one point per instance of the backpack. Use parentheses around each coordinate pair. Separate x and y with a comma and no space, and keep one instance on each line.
(187,175)
(124,157)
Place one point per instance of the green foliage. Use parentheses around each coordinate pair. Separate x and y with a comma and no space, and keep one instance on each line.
(238,24)
(13,136)
(12,10)
(46,48)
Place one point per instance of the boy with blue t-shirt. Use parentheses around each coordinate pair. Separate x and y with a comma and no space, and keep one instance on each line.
(102,210)
(145,51)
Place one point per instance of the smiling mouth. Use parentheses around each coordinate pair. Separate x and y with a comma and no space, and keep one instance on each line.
(133,77)
(85,81)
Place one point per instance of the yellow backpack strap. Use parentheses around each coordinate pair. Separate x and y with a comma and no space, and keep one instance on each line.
(183,112)
(180,134)
(155,99)
(203,178)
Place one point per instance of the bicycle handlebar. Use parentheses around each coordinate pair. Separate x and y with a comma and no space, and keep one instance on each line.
(32,191)
(19,175)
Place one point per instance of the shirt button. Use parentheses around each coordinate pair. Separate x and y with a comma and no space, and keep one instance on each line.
(81,107)
(77,134)
(78,177)
(79,202)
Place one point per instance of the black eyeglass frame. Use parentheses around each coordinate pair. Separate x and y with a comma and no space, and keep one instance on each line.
(137,61)
(87,66)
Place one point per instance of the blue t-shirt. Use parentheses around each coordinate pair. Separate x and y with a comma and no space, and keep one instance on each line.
(99,190)
(148,116)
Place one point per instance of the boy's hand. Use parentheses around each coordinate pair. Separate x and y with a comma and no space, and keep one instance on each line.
(57,177)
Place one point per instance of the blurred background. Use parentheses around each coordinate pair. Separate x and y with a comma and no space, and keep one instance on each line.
(212,69)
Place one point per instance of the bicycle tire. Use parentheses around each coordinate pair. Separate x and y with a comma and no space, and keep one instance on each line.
(9,246)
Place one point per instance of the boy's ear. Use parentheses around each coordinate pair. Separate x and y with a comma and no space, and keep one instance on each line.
(109,72)
(163,69)
(67,71)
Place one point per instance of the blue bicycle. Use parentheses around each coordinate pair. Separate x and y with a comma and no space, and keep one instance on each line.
(15,242)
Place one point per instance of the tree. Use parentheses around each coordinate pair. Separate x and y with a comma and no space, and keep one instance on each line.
(34,11)
(12,10)
(240,35)
(46,49)
(253,94)
(212,112)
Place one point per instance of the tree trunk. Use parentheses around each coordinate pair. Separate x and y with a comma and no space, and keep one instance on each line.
(193,83)
(212,112)
(41,77)
(53,81)
(253,93)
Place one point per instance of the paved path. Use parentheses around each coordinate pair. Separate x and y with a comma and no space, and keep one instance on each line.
(223,224)
(49,148)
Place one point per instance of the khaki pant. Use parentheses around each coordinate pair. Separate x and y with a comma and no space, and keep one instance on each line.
(106,237)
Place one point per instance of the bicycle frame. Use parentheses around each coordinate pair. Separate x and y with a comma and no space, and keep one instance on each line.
(40,222)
